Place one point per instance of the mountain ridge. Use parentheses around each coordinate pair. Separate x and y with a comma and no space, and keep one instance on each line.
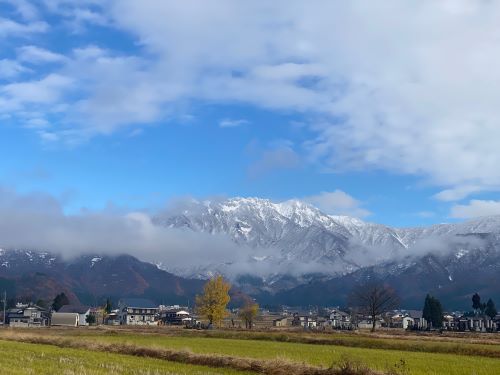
(283,251)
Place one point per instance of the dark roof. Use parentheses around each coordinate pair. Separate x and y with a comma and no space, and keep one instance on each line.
(79,309)
(415,314)
(140,303)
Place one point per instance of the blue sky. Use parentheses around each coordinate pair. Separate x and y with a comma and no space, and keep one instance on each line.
(124,104)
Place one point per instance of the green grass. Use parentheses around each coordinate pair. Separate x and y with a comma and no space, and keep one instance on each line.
(21,358)
(434,344)
(419,363)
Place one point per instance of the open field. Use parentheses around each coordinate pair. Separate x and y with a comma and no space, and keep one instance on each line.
(382,352)
(25,358)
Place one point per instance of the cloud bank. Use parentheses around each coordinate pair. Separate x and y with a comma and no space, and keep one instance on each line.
(410,88)
(338,202)
(475,208)
(37,222)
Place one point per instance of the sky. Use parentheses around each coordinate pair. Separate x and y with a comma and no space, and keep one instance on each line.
(387,111)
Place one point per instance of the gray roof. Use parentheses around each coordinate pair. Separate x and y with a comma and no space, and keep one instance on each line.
(79,309)
(415,314)
(140,303)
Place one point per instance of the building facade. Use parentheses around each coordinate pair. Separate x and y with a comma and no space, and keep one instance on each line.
(137,311)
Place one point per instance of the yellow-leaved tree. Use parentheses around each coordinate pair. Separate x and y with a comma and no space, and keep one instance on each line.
(249,312)
(213,302)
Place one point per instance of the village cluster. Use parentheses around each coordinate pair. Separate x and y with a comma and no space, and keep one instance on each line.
(138,311)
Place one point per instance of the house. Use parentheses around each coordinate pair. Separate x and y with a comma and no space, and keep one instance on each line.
(113,318)
(280,322)
(419,322)
(27,315)
(306,321)
(407,322)
(65,319)
(82,311)
(340,319)
(137,311)
(175,316)
(366,322)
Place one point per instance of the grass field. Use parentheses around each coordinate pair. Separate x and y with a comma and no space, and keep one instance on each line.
(23,358)
(421,355)
(419,363)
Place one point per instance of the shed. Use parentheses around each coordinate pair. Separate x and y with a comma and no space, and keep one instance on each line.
(65,319)
(82,311)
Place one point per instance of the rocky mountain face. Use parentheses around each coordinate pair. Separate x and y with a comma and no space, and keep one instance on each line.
(287,238)
(282,253)
(302,255)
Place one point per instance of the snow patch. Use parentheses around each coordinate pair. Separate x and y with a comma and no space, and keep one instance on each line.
(93,261)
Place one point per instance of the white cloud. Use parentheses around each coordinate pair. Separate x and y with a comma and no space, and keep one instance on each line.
(338,202)
(409,88)
(24,8)
(280,155)
(104,232)
(11,69)
(47,90)
(475,208)
(12,28)
(383,68)
(456,194)
(231,123)
(34,54)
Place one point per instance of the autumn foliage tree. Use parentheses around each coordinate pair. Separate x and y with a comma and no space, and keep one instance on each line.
(249,312)
(213,302)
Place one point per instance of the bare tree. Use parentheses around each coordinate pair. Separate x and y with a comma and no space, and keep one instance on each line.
(373,298)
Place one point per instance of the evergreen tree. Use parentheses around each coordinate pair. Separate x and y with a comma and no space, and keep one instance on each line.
(437,313)
(426,312)
(108,306)
(60,301)
(90,319)
(433,312)
(476,302)
(490,309)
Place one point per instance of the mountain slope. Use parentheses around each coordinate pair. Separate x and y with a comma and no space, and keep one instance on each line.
(88,279)
(310,256)
(287,252)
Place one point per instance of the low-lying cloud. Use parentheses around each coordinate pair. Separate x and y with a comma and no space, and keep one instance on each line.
(37,222)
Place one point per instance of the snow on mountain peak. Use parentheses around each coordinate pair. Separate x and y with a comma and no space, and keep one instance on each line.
(294,236)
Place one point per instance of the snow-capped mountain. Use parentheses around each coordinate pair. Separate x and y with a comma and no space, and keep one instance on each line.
(293,237)
(293,249)
(293,253)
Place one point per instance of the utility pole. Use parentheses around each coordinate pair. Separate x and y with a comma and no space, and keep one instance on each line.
(4,305)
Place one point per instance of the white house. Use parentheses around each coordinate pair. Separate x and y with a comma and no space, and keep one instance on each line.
(408,322)
(137,311)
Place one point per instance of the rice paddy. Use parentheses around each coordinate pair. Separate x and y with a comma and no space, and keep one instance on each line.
(404,355)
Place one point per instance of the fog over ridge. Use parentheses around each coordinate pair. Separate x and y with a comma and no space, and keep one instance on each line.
(37,221)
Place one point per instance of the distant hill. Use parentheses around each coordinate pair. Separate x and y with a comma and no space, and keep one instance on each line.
(89,279)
